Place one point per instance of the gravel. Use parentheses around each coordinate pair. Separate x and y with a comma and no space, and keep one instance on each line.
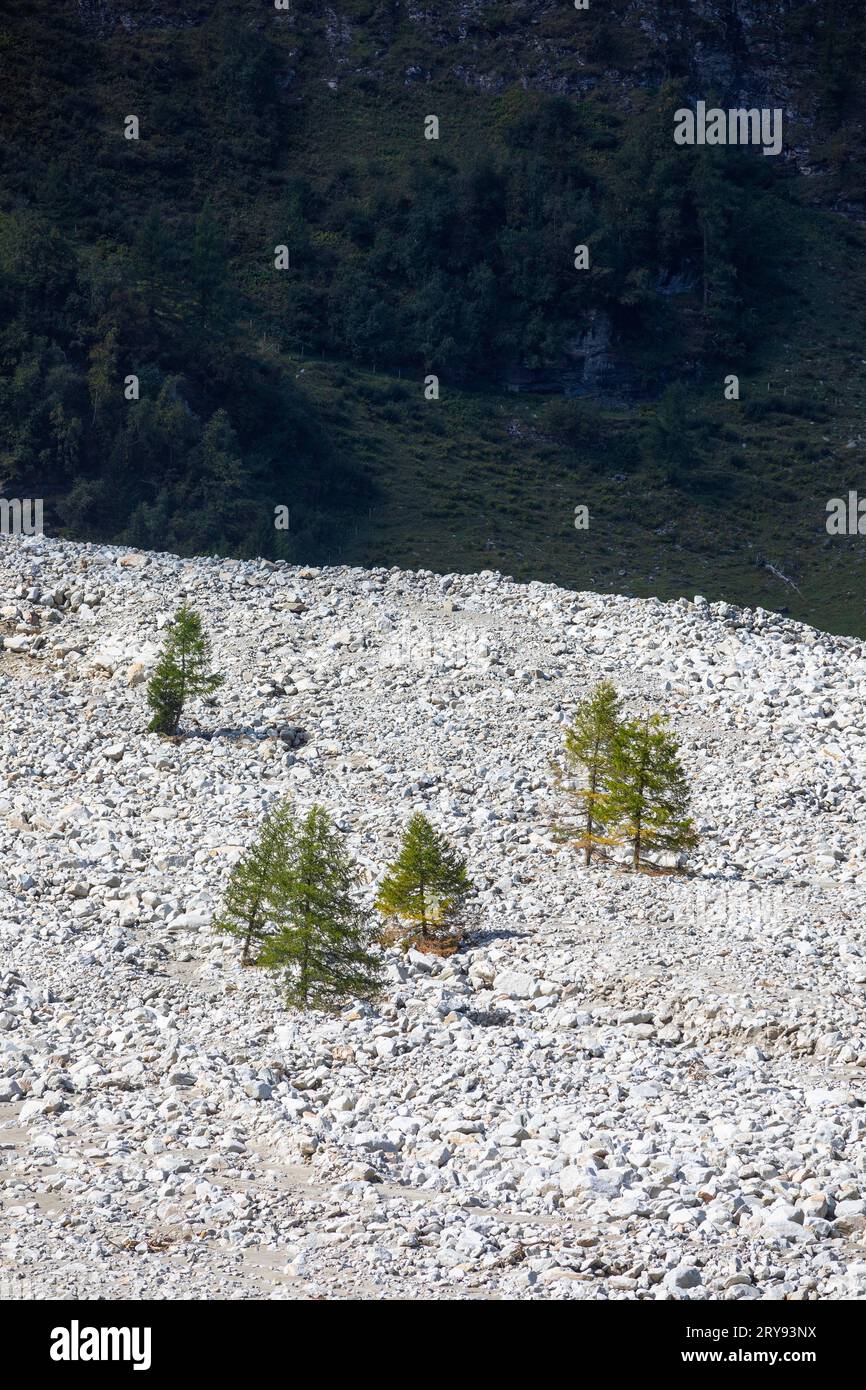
(624,1087)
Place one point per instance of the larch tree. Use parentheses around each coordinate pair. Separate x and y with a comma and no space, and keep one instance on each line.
(182,672)
(427,884)
(251,907)
(323,942)
(648,798)
(587,760)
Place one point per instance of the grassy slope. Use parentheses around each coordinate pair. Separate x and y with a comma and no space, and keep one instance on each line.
(472,481)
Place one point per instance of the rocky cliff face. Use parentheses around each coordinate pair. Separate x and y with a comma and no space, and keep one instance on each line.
(753,51)
(738,47)
(592,365)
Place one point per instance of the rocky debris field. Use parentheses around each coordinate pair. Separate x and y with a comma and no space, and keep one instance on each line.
(624,1087)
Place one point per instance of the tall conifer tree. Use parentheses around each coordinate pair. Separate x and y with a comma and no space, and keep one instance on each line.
(323,942)
(427,884)
(183,671)
(252,907)
(588,750)
(647,798)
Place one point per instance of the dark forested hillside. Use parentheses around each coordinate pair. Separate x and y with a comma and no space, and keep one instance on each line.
(239,309)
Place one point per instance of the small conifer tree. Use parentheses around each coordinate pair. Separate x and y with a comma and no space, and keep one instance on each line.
(647,798)
(588,751)
(251,904)
(323,939)
(427,884)
(182,672)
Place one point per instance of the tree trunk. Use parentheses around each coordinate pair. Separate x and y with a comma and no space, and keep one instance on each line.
(253,924)
(590,803)
(590,800)
(638,820)
(304,980)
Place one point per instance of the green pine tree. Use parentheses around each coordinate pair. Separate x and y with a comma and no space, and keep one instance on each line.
(208,269)
(182,672)
(647,798)
(251,905)
(588,750)
(152,257)
(323,939)
(670,443)
(719,212)
(427,884)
